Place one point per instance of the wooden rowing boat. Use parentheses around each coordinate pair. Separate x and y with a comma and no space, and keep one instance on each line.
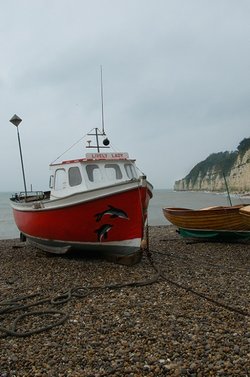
(245,215)
(214,221)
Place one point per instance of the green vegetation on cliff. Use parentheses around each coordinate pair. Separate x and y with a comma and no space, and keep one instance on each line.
(243,146)
(217,163)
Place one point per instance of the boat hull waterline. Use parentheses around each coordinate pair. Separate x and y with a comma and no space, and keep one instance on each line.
(214,234)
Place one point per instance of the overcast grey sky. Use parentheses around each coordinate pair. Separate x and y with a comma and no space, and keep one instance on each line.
(176,79)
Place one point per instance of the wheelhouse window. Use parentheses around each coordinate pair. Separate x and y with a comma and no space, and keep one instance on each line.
(113,171)
(130,170)
(60,179)
(94,173)
(75,177)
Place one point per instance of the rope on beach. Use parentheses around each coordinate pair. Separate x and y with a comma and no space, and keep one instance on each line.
(215,302)
(161,274)
(15,304)
(13,330)
(191,290)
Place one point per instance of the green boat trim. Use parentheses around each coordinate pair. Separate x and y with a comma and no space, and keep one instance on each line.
(194,233)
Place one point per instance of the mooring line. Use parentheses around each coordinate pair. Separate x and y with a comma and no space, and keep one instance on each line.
(80,292)
(9,306)
(194,292)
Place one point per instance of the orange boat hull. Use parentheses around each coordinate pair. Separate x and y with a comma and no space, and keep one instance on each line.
(213,218)
(245,214)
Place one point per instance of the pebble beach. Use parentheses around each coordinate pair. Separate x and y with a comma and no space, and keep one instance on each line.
(183,310)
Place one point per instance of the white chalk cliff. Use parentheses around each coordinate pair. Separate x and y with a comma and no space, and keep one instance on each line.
(231,168)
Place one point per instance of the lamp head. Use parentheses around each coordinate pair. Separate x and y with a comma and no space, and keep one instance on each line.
(15,120)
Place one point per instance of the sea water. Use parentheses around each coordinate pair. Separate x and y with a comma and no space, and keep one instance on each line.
(8,228)
(161,198)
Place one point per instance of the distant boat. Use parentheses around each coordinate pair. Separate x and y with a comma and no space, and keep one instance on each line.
(210,222)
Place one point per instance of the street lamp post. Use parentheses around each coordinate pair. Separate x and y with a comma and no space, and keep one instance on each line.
(16,121)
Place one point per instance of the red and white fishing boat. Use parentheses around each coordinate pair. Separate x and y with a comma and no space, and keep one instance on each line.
(95,203)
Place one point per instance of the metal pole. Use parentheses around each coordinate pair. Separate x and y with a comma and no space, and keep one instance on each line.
(97,140)
(21,156)
(16,121)
(229,198)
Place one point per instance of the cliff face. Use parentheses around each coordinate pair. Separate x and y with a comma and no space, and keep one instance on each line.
(210,175)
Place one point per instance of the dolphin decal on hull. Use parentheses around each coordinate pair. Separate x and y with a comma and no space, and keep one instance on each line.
(113,213)
(102,232)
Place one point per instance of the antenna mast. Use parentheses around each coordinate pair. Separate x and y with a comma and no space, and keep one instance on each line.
(97,132)
(103,132)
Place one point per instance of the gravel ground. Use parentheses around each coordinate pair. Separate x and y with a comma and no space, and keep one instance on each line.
(193,320)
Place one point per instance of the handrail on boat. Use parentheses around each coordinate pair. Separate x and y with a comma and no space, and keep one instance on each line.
(30,196)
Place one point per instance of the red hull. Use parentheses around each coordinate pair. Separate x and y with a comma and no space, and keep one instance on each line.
(94,221)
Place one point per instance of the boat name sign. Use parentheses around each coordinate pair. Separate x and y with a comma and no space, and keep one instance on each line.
(98,156)
(106,156)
